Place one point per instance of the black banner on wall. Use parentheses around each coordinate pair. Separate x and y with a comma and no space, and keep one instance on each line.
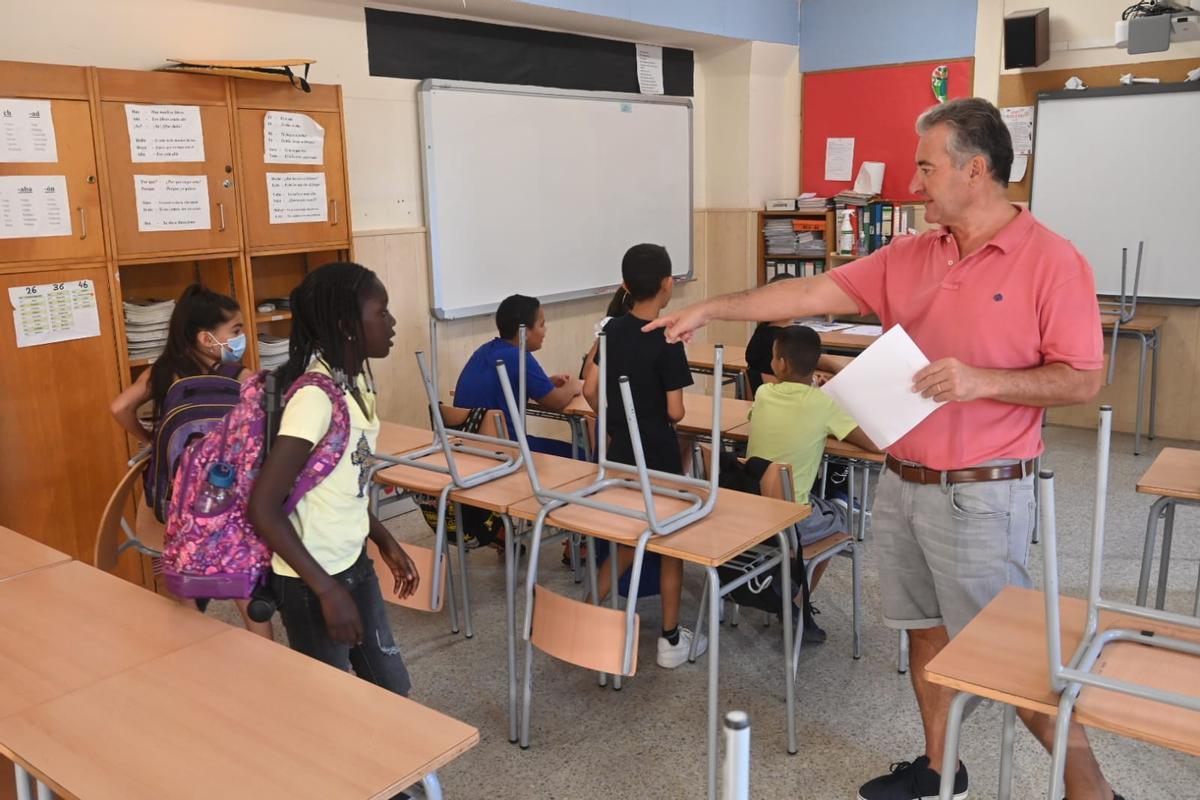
(422,46)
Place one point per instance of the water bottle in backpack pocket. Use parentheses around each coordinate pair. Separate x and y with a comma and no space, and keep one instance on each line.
(211,550)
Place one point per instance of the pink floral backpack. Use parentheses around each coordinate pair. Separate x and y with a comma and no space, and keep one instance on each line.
(219,554)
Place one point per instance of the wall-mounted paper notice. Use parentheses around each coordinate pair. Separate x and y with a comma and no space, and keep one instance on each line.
(1016,173)
(164,133)
(172,202)
(839,159)
(1019,121)
(296,197)
(34,205)
(27,131)
(650,68)
(876,388)
(54,312)
(292,139)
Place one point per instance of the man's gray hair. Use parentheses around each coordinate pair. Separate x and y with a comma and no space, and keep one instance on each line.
(976,129)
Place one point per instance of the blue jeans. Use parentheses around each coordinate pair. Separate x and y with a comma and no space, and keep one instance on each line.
(377,659)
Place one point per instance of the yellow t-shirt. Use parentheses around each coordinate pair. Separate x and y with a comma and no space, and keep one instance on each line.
(790,422)
(331,520)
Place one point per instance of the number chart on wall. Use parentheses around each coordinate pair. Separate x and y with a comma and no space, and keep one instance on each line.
(45,313)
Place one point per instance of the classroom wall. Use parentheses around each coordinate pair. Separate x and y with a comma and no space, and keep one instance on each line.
(383,153)
(836,34)
(762,20)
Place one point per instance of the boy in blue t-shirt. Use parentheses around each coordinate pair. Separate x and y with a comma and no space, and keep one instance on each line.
(479,385)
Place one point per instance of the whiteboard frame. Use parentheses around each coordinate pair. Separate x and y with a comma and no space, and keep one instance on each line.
(1111,91)
(432,224)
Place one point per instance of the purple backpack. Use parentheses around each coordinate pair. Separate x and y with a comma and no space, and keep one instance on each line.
(192,407)
(220,555)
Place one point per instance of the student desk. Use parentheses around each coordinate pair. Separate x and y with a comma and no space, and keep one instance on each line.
(395,439)
(231,715)
(1175,478)
(1147,330)
(496,496)
(849,344)
(20,554)
(853,458)
(737,523)
(1001,655)
(702,360)
(697,415)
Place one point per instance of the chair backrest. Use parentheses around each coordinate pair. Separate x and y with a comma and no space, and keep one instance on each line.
(422,558)
(494,424)
(586,635)
(776,482)
(108,536)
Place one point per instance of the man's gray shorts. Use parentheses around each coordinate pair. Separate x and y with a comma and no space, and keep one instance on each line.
(946,551)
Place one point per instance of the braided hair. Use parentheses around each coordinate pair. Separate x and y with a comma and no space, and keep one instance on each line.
(327,323)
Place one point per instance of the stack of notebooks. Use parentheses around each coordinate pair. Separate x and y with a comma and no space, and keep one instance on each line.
(850,198)
(272,350)
(810,203)
(146,323)
(786,237)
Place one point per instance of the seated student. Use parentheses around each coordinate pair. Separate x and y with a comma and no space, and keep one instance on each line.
(479,386)
(657,373)
(759,350)
(790,421)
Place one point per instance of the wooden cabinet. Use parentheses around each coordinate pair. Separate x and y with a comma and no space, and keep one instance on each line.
(63,453)
(66,88)
(210,94)
(253,100)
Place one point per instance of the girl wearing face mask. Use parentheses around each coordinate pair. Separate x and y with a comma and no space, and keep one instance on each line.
(205,337)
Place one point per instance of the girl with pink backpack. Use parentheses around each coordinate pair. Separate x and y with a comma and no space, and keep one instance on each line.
(324,583)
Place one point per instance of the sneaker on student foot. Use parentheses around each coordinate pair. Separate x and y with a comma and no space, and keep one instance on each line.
(813,633)
(912,781)
(671,656)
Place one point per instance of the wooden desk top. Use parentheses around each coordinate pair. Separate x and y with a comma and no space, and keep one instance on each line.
(233,716)
(1141,323)
(1001,654)
(395,438)
(67,626)
(20,554)
(415,479)
(845,341)
(738,522)
(1174,473)
(500,494)
(703,356)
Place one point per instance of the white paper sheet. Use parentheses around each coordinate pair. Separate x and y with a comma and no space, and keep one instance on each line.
(164,133)
(296,197)
(34,205)
(1017,172)
(870,177)
(292,139)
(876,388)
(54,312)
(821,326)
(172,202)
(864,330)
(1019,121)
(839,159)
(27,131)
(650,68)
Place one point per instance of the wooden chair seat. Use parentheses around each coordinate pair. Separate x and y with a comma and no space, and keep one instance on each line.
(831,542)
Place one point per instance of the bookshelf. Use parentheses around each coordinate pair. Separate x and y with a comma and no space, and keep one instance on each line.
(794,263)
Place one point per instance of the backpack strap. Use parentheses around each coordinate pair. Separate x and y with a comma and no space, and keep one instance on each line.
(327,452)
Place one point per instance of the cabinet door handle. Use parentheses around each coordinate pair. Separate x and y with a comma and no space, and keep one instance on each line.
(221,215)
(82,221)
(335,211)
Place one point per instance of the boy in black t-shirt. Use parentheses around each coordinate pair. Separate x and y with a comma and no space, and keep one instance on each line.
(657,373)
(761,347)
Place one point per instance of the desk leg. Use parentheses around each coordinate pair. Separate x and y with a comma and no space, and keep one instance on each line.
(1164,560)
(24,783)
(593,578)
(461,547)
(789,672)
(850,470)
(866,501)
(902,653)
(950,759)
(432,786)
(510,599)
(1007,737)
(714,651)
(1141,386)
(1155,346)
(614,595)
(1148,548)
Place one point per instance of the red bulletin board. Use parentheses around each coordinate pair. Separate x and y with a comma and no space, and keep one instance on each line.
(878,107)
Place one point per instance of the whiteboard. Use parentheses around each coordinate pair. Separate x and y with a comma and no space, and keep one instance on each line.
(1112,166)
(541,191)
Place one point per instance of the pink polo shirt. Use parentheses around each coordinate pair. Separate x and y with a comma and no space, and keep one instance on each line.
(1024,299)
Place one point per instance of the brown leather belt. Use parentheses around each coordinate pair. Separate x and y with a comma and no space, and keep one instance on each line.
(915,473)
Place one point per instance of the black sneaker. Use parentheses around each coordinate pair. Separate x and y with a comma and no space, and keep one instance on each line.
(912,781)
(813,633)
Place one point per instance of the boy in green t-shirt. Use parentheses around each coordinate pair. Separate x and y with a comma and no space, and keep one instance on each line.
(790,421)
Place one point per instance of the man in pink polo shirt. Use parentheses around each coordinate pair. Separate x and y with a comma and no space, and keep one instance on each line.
(1006,312)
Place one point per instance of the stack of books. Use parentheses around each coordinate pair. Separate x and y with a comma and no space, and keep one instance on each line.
(810,203)
(780,236)
(272,350)
(146,324)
